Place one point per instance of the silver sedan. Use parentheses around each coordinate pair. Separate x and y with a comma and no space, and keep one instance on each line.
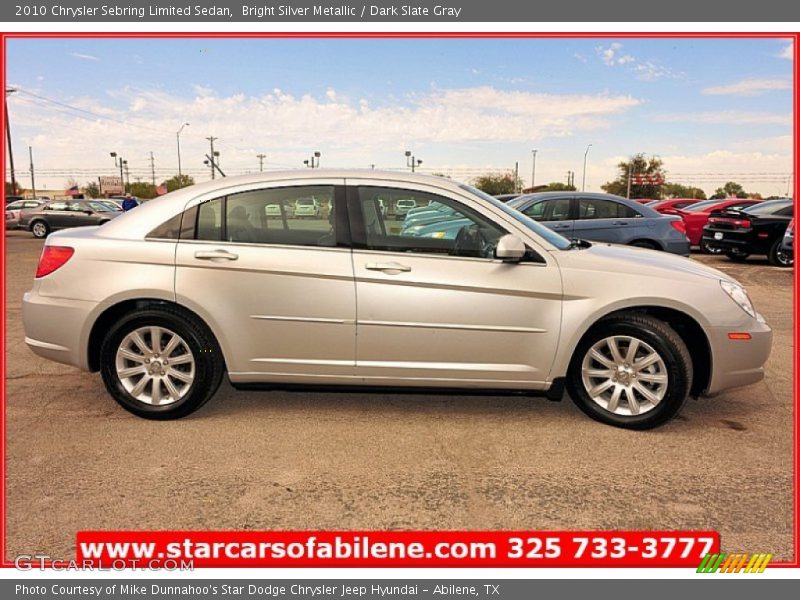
(213,280)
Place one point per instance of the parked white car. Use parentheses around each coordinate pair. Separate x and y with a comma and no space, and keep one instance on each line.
(404,205)
(306,207)
(166,299)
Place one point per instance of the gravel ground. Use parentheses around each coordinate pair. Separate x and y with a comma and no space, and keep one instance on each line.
(302,460)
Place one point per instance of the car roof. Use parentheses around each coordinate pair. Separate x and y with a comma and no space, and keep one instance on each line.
(529,199)
(154,212)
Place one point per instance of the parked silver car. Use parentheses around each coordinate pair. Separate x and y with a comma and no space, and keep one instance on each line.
(167,298)
(605,218)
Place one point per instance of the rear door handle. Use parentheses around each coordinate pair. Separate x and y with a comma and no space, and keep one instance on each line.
(388,267)
(620,222)
(215,255)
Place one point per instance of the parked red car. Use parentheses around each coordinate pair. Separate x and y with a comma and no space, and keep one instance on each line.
(671,206)
(696,216)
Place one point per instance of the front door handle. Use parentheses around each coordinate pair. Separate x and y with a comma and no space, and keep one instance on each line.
(388,267)
(620,222)
(215,255)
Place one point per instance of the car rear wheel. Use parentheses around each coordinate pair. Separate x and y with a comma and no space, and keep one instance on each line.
(631,371)
(39,229)
(779,257)
(159,364)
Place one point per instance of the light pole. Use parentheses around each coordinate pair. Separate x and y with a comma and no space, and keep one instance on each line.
(10,151)
(585,154)
(119,162)
(178,136)
(533,169)
(311,163)
(261,158)
(412,161)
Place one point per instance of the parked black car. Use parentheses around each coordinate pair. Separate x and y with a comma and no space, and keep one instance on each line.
(62,214)
(757,229)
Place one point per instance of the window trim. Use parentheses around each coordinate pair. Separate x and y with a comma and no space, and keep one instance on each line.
(341,229)
(358,229)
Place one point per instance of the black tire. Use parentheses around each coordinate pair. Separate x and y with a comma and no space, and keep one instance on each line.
(665,341)
(40,229)
(737,256)
(209,362)
(645,244)
(705,248)
(778,257)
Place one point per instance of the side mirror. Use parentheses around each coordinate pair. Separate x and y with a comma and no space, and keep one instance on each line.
(510,249)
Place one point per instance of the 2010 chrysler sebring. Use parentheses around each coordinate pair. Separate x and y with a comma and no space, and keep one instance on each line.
(213,278)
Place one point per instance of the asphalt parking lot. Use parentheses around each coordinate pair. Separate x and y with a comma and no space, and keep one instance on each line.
(300,460)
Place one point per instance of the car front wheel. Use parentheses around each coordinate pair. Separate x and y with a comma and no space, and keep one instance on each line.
(158,363)
(780,257)
(39,229)
(631,371)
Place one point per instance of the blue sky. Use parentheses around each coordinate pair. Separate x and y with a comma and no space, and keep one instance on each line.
(712,108)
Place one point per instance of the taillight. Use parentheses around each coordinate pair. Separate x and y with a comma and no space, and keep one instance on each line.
(52,258)
(679,226)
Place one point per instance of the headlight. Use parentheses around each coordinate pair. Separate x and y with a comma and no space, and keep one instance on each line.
(739,295)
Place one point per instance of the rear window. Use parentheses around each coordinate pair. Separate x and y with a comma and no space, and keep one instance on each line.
(769,208)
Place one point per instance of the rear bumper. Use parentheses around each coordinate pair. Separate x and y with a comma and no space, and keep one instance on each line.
(54,328)
(736,363)
(741,244)
(680,247)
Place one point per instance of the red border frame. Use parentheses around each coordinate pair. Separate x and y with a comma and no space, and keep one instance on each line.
(794,36)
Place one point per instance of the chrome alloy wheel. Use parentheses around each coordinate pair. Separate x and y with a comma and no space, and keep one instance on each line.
(624,375)
(155,365)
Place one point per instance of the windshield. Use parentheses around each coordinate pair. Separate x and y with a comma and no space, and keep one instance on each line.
(101,207)
(767,208)
(701,206)
(558,241)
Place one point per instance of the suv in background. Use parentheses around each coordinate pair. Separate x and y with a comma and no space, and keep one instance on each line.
(306,207)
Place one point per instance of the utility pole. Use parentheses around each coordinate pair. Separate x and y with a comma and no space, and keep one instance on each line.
(178,136)
(261,158)
(153,167)
(128,176)
(516,176)
(10,150)
(630,176)
(33,177)
(585,154)
(211,140)
(533,169)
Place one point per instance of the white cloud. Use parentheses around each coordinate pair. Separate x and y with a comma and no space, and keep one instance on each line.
(650,71)
(787,52)
(728,117)
(350,132)
(749,87)
(580,57)
(84,56)
(202,90)
(612,55)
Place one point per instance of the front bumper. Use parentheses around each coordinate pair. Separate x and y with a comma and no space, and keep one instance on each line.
(55,328)
(736,363)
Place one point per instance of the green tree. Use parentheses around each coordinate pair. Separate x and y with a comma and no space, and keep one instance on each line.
(730,190)
(494,185)
(91,189)
(637,165)
(142,189)
(677,190)
(557,186)
(177,182)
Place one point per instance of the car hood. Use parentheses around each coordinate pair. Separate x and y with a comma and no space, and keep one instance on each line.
(614,258)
